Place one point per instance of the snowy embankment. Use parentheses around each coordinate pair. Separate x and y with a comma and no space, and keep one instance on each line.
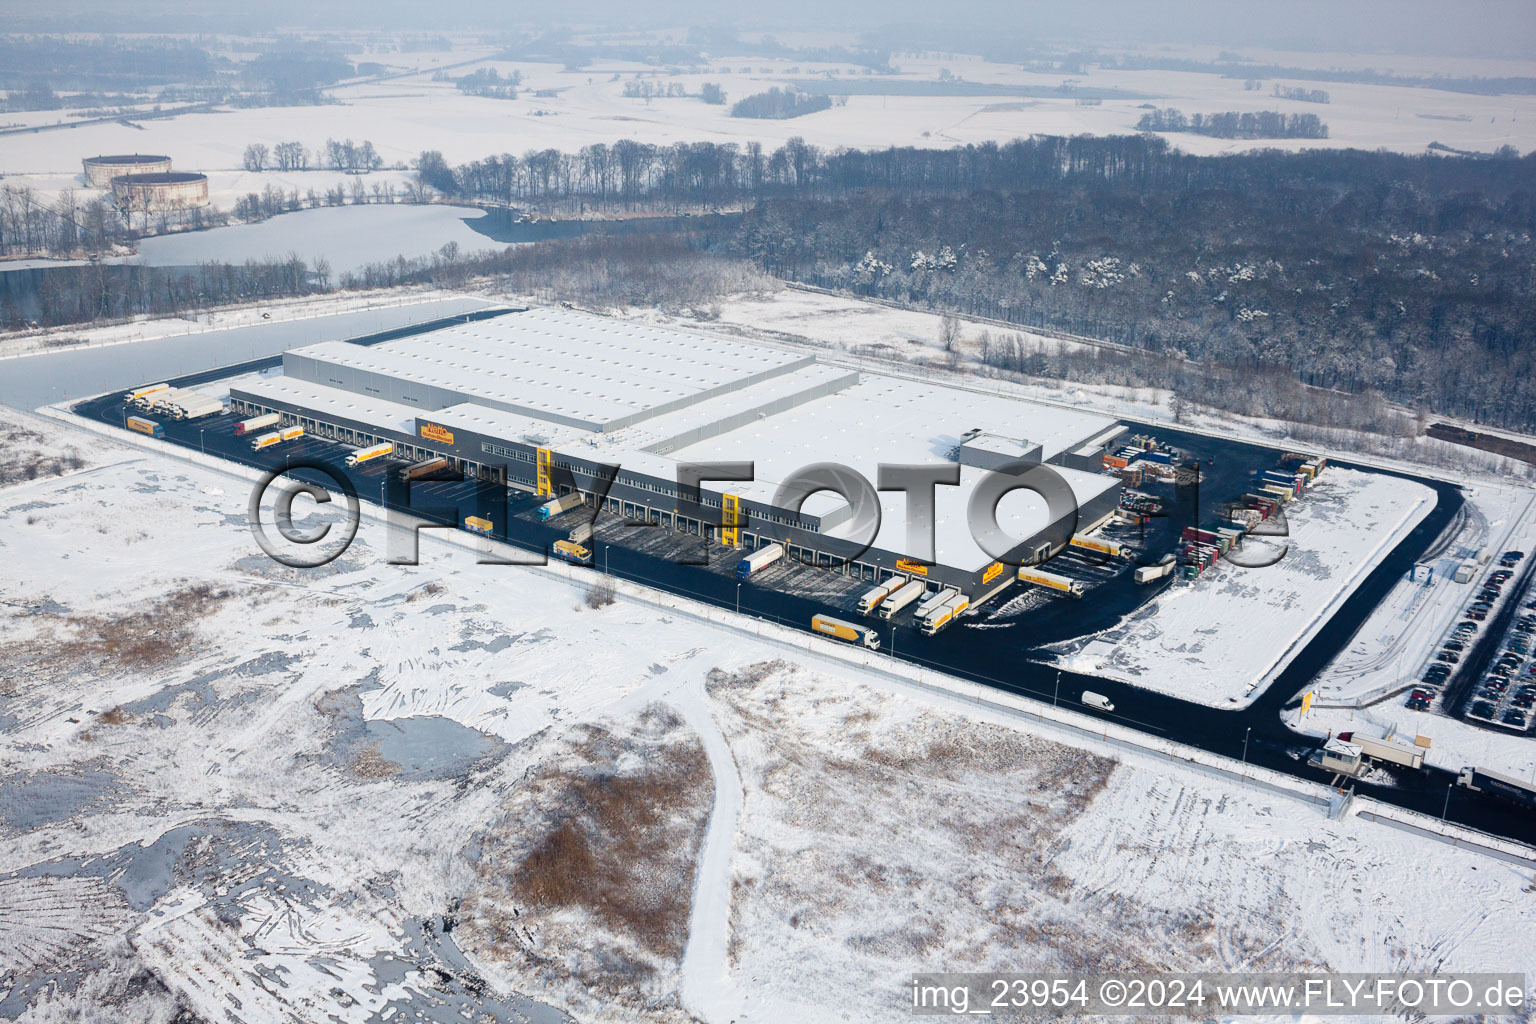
(1219,639)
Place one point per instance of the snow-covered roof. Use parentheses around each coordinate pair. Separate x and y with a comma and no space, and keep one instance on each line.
(333,401)
(566,366)
(894,421)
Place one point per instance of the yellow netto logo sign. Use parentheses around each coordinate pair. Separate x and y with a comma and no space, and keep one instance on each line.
(433,432)
(916,567)
(993,571)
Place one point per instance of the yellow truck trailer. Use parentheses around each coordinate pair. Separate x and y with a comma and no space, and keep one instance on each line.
(826,625)
(1051,581)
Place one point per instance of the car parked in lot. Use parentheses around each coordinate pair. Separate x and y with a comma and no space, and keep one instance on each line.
(1449,657)
(1515,718)
(1501,575)
(1455,645)
(1510,558)
(1476,613)
(1522,702)
(1481,709)
(1488,594)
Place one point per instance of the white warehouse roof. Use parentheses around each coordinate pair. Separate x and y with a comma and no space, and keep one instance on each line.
(333,401)
(554,364)
(894,421)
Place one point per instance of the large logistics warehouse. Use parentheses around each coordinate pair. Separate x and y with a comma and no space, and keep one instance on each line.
(551,400)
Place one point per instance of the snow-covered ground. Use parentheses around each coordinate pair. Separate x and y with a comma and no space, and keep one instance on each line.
(278,786)
(404,116)
(1219,639)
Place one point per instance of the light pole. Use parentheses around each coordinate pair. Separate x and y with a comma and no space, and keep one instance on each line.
(738,599)
(200,447)
(1055,697)
(1447,808)
(1245,745)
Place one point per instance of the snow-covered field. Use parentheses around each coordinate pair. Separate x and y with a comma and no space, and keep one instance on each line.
(268,793)
(404,116)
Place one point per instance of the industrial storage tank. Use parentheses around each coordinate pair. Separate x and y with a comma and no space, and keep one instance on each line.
(151,193)
(100,170)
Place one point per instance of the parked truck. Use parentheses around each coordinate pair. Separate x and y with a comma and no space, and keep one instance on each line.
(292,433)
(1103,547)
(266,440)
(197,406)
(564,503)
(1050,580)
(573,552)
(143,395)
(426,467)
(872,597)
(900,598)
(480,525)
(256,423)
(145,426)
(759,560)
(1389,748)
(376,451)
(1152,573)
(946,613)
(846,631)
(933,602)
(1506,787)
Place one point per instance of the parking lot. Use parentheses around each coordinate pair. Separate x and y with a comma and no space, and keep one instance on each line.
(1483,668)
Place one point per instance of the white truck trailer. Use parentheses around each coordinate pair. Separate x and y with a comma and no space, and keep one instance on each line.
(759,560)
(900,598)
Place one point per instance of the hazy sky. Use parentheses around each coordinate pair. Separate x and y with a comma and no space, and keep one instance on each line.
(1499,28)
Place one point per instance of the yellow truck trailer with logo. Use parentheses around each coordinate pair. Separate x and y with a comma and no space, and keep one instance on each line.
(371,452)
(573,552)
(1103,547)
(478,524)
(1050,580)
(946,613)
(826,625)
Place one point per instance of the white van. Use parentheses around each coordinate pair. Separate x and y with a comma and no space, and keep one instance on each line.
(1097,700)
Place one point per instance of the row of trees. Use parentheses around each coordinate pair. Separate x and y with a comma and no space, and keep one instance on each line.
(345,155)
(489,83)
(102,291)
(1260,124)
(1299,93)
(779,104)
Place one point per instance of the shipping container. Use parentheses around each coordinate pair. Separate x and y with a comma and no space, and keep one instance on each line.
(371,452)
(900,598)
(847,631)
(143,426)
(256,423)
(480,525)
(1153,573)
(759,560)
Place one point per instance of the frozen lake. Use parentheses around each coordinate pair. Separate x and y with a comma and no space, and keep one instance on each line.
(29,381)
(349,237)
